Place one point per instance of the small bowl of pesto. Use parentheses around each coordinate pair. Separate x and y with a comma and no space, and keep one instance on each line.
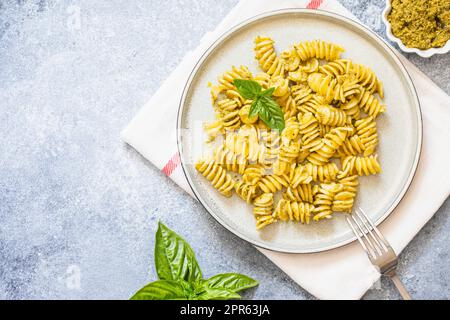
(419,26)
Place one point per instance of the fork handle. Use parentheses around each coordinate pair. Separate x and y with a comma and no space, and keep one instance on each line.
(400,287)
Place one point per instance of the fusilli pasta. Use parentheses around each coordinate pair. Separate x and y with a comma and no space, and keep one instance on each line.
(217,175)
(318,49)
(294,211)
(263,210)
(267,57)
(330,106)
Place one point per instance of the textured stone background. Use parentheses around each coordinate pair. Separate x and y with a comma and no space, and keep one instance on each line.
(75,202)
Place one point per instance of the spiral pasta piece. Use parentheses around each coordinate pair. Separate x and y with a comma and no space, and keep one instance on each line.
(269,147)
(291,59)
(345,199)
(351,108)
(309,128)
(288,153)
(310,66)
(318,49)
(352,146)
(214,129)
(291,129)
(217,175)
(367,131)
(301,94)
(343,202)
(302,155)
(311,104)
(229,114)
(367,165)
(299,174)
(330,143)
(251,134)
(227,105)
(253,174)
(328,115)
(336,68)
(263,79)
(263,210)
(331,89)
(229,160)
(273,183)
(371,105)
(288,105)
(244,142)
(267,57)
(367,78)
(280,84)
(324,129)
(304,193)
(237,144)
(280,167)
(299,76)
(293,211)
(226,80)
(350,183)
(323,200)
(246,191)
(362,166)
(323,173)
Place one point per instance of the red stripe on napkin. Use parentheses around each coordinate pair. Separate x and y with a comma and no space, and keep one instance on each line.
(173,163)
(314,4)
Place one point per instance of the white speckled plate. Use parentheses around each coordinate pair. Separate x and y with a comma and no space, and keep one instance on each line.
(400,129)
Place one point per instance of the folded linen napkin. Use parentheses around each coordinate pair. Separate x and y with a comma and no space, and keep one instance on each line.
(343,273)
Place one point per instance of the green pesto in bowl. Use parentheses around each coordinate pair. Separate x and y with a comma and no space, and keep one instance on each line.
(421,24)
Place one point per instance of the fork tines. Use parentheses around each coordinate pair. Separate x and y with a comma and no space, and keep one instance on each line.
(368,235)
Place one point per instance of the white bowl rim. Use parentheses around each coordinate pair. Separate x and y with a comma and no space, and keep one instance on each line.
(423,53)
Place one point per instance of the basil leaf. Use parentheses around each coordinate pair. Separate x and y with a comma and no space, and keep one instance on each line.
(255,108)
(271,113)
(231,281)
(268,92)
(174,258)
(217,294)
(249,89)
(161,290)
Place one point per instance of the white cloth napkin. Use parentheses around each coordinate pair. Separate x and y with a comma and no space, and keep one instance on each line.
(346,272)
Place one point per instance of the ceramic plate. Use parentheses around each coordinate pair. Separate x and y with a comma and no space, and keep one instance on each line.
(400,128)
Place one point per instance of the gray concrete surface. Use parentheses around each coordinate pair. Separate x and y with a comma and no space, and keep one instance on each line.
(78,208)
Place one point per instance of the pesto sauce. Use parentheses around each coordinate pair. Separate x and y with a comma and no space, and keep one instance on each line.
(421,24)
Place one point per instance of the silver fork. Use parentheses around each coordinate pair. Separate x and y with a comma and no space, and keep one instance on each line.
(377,248)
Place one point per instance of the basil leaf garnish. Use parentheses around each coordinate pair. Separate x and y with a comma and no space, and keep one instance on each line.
(181,277)
(263,105)
(249,89)
(174,258)
(268,92)
(218,294)
(271,113)
(255,108)
(161,290)
(231,281)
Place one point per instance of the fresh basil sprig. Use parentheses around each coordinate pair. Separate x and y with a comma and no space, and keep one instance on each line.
(180,275)
(263,105)
(174,258)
